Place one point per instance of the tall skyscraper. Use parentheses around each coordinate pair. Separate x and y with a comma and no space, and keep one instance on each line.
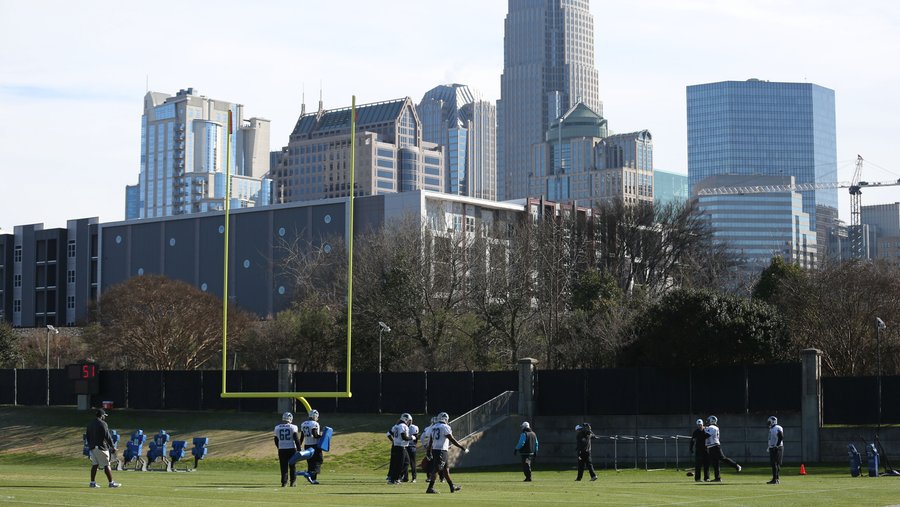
(183,157)
(758,127)
(884,222)
(465,125)
(548,67)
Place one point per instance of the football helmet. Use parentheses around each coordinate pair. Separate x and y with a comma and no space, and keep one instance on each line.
(314,415)
(443,417)
(287,417)
(772,420)
(406,418)
(712,420)
(699,422)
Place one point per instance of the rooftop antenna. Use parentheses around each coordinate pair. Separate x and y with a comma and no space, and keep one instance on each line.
(321,104)
(303,100)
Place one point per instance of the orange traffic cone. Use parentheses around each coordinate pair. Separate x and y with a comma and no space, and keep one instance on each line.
(802,469)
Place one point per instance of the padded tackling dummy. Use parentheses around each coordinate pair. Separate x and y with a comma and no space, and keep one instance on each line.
(302,455)
(177,451)
(325,441)
(199,450)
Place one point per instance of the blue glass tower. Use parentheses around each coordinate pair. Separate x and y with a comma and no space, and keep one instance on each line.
(758,127)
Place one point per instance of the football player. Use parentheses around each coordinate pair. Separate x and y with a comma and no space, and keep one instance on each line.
(411,451)
(698,447)
(310,433)
(441,438)
(398,435)
(776,449)
(287,441)
(714,447)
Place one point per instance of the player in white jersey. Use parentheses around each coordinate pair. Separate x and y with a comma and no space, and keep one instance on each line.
(398,435)
(287,441)
(714,447)
(310,433)
(411,452)
(776,449)
(441,438)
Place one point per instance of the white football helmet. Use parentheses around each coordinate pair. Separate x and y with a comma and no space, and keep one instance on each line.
(443,417)
(287,417)
(406,418)
(699,422)
(772,420)
(712,420)
(314,415)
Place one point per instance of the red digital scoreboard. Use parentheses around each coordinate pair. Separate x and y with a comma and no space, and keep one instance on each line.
(85,377)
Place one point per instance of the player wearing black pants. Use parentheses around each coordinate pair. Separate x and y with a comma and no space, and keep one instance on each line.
(776,449)
(441,438)
(311,433)
(714,448)
(411,452)
(399,436)
(583,437)
(287,441)
(698,448)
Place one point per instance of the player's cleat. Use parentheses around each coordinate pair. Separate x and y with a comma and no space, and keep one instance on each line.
(114,484)
(454,489)
(93,485)
(738,467)
(527,479)
(717,479)
(774,481)
(431,491)
(594,478)
(314,482)
(293,484)
(413,481)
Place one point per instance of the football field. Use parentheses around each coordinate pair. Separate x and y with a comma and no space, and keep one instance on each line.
(45,482)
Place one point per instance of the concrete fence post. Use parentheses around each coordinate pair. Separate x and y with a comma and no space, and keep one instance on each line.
(286,369)
(526,387)
(810,405)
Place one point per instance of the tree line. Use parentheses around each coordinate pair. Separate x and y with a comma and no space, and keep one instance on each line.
(623,285)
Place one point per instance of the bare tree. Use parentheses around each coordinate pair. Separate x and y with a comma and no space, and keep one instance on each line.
(659,247)
(153,322)
(834,309)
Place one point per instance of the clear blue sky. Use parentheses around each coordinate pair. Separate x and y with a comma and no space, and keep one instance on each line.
(74,74)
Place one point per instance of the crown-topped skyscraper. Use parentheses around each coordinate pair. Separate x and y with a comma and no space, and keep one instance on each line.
(548,67)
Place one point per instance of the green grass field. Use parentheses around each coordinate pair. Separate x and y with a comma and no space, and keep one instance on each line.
(40,464)
(50,483)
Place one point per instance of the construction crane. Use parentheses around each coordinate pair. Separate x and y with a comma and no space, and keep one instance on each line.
(855,186)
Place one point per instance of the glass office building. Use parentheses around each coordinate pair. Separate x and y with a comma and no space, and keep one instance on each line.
(758,127)
(456,118)
(669,187)
(758,226)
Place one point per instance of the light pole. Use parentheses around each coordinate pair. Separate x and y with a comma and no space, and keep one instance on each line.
(879,327)
(382,327)
(50,329)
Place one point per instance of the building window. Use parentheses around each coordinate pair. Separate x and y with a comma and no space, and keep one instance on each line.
(70,302)
(17,280)
(17,254)
(17,305)
(71,248)
(70,276)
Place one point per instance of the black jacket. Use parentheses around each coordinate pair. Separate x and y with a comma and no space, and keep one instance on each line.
(698,441)
(98,435)
(583,440)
